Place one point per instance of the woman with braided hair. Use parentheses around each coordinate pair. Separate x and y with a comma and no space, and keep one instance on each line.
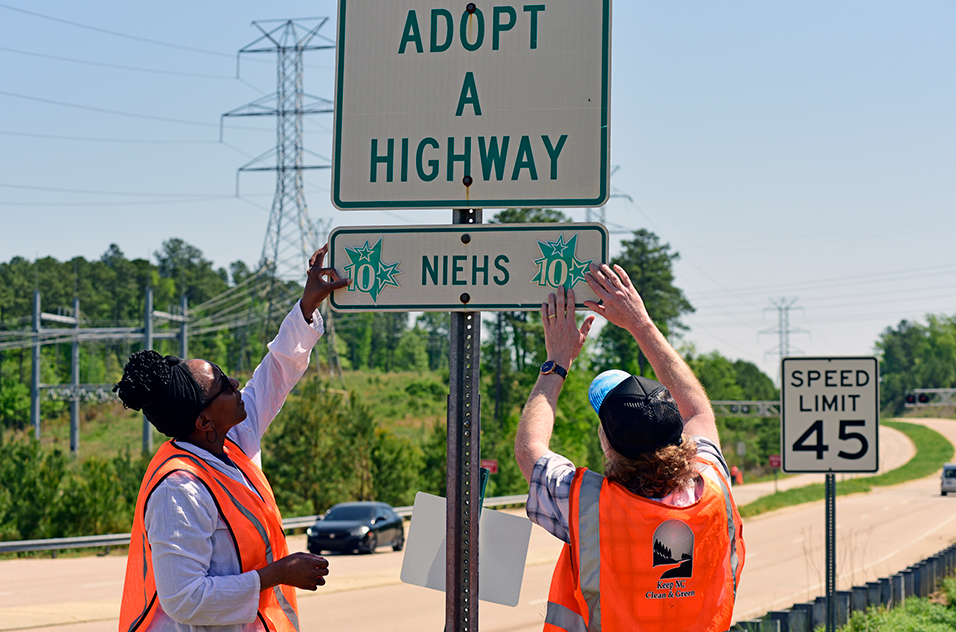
(207,549)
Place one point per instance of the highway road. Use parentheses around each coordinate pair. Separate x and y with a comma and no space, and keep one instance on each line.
(877,534)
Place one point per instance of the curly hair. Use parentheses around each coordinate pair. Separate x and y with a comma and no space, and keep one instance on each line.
(654,474)
(146,386)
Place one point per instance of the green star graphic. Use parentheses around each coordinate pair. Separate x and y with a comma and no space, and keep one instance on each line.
(369,274)
(559,266)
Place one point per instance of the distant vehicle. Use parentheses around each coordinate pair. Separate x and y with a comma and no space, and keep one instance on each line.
(947,482)
(357,527)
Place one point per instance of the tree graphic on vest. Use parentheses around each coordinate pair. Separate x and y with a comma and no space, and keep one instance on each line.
(674,546)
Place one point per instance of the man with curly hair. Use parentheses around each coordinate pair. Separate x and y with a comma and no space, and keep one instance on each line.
(656,543)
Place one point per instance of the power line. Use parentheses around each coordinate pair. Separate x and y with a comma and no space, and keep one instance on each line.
(123,193)
(115,66)
(116,33)
(92,139)
(837,282)
(91,108)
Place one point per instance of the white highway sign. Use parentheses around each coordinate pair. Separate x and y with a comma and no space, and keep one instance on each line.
(437,106)
(829,415)
(463,267)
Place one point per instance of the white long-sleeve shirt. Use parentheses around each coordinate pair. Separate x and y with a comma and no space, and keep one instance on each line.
(199,581)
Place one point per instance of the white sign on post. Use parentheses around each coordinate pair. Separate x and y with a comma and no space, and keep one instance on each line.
(829,415)
(448,104)
(463,267)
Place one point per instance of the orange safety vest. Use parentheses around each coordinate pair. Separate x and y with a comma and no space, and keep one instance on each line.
(637,565)
(253,521)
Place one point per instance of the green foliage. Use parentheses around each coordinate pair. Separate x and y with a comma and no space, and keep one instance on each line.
(32,477)
(436,326)
(396,468)
(95,499)
(529,216)
(649,263)
(411,352)
(717,375)
(14,404)
(326,448)
(41,496)
(914,355)
(912,615)
(434,461)
(754,384)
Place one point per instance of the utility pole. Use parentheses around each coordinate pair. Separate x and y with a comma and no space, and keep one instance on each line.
(783,306)
(600,214)
(290,235)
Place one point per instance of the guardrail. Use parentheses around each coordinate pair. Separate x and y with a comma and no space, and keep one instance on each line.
(122,539)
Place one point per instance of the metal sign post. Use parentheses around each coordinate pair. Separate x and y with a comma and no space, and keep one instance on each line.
(463,456)
(830,485)
(829,422)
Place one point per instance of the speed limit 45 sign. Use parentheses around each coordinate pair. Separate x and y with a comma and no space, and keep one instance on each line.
(829,415)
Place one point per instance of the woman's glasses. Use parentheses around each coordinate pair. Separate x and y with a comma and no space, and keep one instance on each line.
(226,385)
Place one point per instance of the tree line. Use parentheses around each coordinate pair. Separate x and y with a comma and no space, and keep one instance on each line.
(329,443)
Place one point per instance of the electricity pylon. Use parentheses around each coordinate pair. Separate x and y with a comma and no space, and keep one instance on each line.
(783,330)
(290,234)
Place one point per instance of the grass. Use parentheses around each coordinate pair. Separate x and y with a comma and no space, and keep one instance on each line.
(932,451)
(410,404)
(935,614)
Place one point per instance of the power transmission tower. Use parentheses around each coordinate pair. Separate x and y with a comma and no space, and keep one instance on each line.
(290,234)
(600,214)
(783,330)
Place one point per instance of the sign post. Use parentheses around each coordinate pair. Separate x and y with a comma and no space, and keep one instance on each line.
(829,423)
(448,104)
(775,464)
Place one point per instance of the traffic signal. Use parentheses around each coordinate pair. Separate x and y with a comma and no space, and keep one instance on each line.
(923,398)
(910,398)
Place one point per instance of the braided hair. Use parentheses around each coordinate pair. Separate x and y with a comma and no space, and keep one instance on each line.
(165,390)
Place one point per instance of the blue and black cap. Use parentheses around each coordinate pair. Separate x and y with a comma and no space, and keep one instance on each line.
(638,414)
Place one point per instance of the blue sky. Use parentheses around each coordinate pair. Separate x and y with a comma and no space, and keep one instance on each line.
(786,150)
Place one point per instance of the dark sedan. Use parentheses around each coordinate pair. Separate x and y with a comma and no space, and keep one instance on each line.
(357,526)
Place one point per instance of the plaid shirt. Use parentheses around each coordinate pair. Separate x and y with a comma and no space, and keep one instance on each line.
(549,496)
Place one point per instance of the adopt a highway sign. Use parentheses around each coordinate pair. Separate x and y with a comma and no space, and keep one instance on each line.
(448,104)
(463,267)
(829,415)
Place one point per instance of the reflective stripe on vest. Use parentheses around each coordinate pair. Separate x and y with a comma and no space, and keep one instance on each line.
(589,520)
(280,597)
(275,610)
(565,618)
(731,527)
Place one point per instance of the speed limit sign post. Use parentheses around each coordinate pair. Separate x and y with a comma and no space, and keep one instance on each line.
(829,415)
(829,423)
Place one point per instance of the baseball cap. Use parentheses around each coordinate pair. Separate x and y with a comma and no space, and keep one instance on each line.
(638,414)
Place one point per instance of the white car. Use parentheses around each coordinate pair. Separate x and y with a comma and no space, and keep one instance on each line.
(947,482)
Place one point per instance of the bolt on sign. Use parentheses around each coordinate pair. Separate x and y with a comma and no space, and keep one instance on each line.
(829,415)
(448,104)
(463,267)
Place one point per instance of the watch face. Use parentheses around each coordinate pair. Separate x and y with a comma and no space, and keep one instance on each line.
(548,367)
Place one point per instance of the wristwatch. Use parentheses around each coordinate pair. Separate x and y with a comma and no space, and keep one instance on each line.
(552,367)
